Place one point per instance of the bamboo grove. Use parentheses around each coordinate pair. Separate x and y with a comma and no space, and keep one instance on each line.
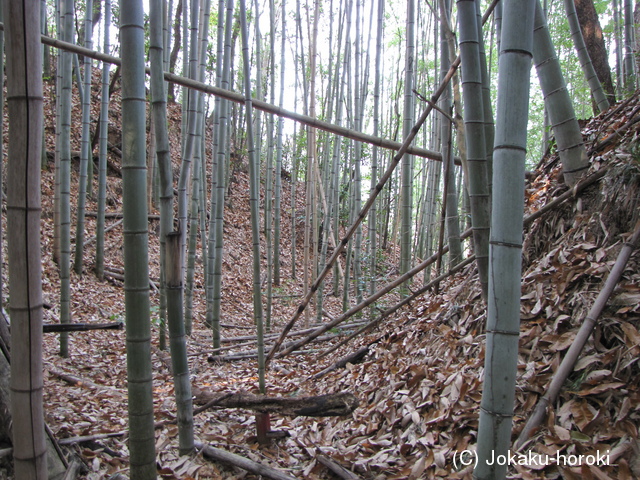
(401,123)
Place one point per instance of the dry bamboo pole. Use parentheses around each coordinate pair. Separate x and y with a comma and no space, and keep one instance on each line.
(401,304)
(573,192)
(570,359)
(242,462)
(372,298)
(257,104)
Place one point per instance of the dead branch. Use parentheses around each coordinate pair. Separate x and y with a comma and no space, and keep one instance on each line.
(336,468)
(354,357)
(80,327)
(242,462)
(77,381)
(90,438)
(329,405)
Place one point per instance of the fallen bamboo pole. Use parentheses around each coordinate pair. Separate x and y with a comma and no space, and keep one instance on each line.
(371,299)
(242,462)
(570,359)
(573,192)
(336,468)
(400,304)
(327,405)
(257,104)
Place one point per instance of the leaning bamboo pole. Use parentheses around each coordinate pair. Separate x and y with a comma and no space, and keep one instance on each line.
(467,233)
(257,104)
(570,359)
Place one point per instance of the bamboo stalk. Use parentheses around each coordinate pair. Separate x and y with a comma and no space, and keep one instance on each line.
(258,104)
(242,462)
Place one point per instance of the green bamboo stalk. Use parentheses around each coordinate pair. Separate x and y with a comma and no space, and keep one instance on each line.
(571,150)
(65,176)
(198,173)
(254,178)
(178,343)
(373,224)
(407,162)
(478,182)
(2,102)
(25,99)
(489,126)
(503,315)
(220,183)
(279,149)
(583,55)
(630,66)
(617,33)
(86,155)
(57,200)
(269,193)
(191,126)
(102,155)
(136,253)
(163,154)
(452,217)
(358,110)
(193,239)
(211,240)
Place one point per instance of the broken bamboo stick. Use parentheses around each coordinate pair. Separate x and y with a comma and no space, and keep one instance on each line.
(77,381)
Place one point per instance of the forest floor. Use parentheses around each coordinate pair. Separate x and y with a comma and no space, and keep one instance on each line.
(419,385)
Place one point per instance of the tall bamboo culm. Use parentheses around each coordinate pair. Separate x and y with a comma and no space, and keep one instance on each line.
(407,162)
(136,239)
(571,150)
(630,66)
(24,94)
(86,155)
(102,155)
(216,295)
(505,256)
(65,175)
(254,178)
(178,343)
(478,182)
(583,55)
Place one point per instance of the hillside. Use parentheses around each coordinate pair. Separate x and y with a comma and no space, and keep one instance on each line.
(419,384)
